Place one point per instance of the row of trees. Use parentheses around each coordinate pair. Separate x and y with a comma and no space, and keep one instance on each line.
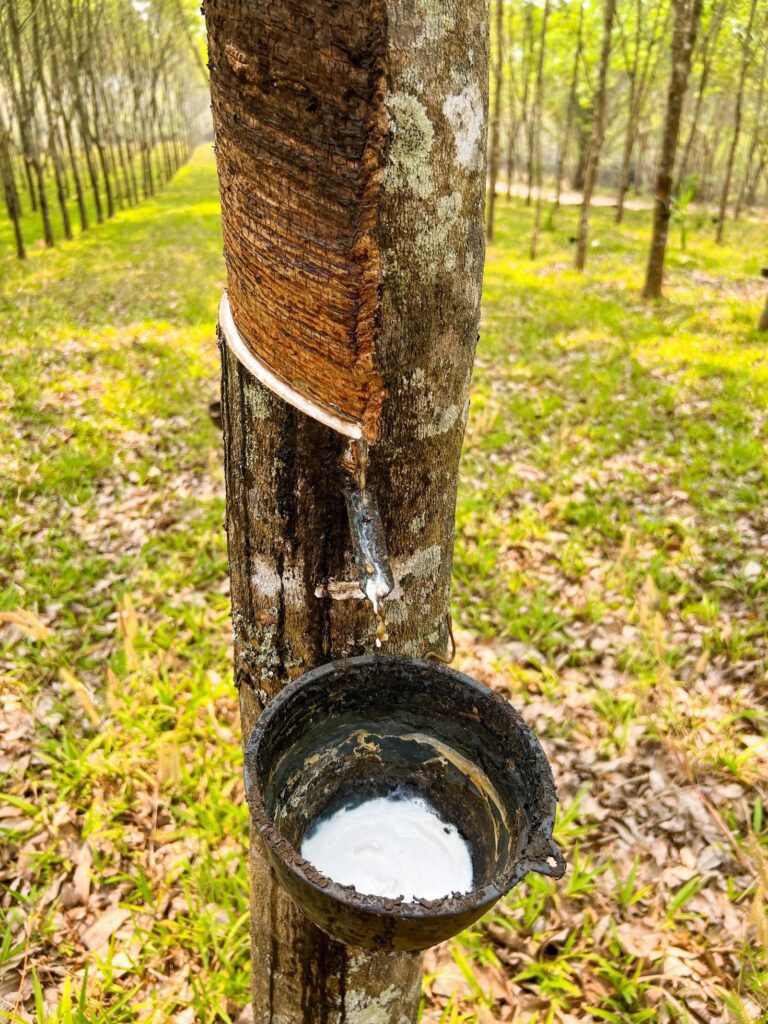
(94,106)
(667,97)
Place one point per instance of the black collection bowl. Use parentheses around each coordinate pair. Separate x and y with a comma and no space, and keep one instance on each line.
(372,726)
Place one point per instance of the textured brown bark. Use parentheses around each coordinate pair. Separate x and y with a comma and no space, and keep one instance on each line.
(392,152)
(598,134)
(309,106)
(687,17)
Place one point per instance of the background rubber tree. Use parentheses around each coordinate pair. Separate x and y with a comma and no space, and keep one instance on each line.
(350,144)
(687,18)
(762,324)
(598,133)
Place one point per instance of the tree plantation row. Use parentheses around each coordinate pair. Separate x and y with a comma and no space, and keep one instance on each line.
(96,103)
(661,97)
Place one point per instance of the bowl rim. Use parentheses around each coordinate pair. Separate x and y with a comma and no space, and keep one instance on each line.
(540,853)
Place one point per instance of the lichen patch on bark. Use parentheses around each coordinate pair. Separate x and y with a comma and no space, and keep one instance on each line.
(466,113)
(412,136)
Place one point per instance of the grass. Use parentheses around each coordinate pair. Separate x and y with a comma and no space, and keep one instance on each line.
(31,220)
(610,578)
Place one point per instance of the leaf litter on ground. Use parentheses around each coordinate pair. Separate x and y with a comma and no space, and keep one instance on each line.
(610,581)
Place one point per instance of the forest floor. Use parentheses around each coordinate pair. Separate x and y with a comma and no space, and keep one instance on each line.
(610,579)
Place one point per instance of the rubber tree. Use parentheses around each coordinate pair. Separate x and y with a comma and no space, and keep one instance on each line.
(494,149)
(687,19)
(747,53)
(350,145)
(762,323)
(598,133)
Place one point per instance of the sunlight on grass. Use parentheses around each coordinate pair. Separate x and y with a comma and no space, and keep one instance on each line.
(609,579)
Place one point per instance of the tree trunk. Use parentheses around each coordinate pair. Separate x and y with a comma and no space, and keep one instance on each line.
(64,118)
(10,191)
(30,186)
(537,108)
(746,57)
(570,111)
(53,148)
(598,133)
(686,26)
(762,323)
(746,192)
(707,46)
(528,44)
(42,201)
(640,75)
(633,113)
(369,169)
(512,121)
(495,127)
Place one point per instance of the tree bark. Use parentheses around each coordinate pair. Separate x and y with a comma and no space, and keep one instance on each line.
(598,134)
(686,26)
(356,131)
(495,126)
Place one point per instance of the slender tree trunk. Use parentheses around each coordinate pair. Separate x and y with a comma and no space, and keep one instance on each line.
(495,126)
(687,14)
(633,113)
(85,136)
(570,111)
(598,134)
(51,126)
(42,200)
(762,323)
(81,208)
(61,191)
(538,105)
(372,171)
(30,185)
(528,45)
(641,76)
(746,192)
(746,57)
(512,122)
(707,46)
(24,104)
(101,150)
(130,156)
(10,191)
(64,115)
